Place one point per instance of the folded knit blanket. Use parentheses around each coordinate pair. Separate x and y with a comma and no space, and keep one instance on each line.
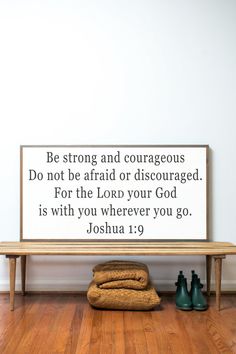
(122,299)
(121,274)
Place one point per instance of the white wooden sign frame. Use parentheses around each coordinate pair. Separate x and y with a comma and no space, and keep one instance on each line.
(141,192)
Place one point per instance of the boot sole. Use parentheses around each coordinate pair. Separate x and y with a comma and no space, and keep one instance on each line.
(184,308)
(198,309)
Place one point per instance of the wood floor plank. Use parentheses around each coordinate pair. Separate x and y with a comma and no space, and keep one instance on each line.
(196,334)
(118,335)
(67,324)
(35,338)
(85,331)
(176,333)
(96,333)
(75,327)
(138,333)
(22,320)
(162,342)
(107,344)
(61,326)
(129,333)
(217,329)
(150,333)
(228,318)
(8,320)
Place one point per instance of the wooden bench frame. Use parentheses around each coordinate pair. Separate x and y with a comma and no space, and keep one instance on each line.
(216,251)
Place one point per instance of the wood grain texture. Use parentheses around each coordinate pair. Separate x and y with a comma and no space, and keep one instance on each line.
(12,271)
(46,324)
(117,248)
(23,273)
(208,274)
(118,334)
(218,272)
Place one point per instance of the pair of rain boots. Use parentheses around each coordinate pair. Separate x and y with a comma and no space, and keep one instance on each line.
(193,300)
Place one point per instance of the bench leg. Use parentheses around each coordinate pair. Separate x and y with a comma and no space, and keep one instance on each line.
(208,274)
(23,273)
(218,274)
(12,265)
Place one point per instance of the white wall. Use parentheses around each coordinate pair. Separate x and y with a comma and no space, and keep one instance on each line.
(118,72)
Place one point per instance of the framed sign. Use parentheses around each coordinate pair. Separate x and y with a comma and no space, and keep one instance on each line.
(124,192)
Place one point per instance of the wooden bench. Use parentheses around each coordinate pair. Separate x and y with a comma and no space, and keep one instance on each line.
(212,250)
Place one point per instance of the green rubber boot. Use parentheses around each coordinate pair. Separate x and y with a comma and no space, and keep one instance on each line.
(182,298)
(193,281)
(180,277)
(198,300)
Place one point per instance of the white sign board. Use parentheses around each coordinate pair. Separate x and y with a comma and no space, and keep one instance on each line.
(114,192)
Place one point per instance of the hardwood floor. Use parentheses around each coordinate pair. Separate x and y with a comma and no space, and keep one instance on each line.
(53,324)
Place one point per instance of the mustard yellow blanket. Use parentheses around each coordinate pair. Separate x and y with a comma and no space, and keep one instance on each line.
(121,274)
(122,299)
